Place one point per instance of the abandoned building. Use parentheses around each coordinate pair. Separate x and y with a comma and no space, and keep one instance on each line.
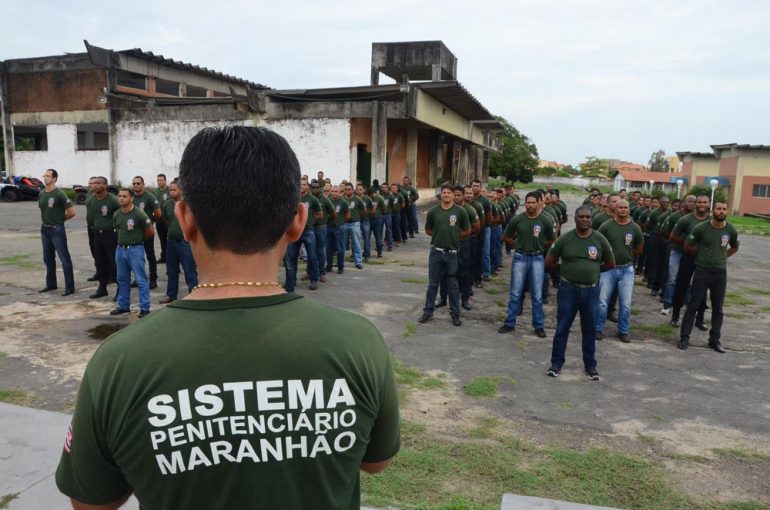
(126,113)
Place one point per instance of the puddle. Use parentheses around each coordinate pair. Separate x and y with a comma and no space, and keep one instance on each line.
(102,331)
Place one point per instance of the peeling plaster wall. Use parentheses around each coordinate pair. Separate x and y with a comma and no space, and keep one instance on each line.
(151,148)
(320,144)
(74,166)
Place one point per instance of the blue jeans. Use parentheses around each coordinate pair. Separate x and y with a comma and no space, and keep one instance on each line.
(320,248)
(131,260)
(292,255)
(55,243)
(573,299)
(350,231)
(366,233)
(387,223)
(442,264)
(333,241)
(496,248)
(526,268)
(673,269)
(413,224)
(179,252)
(485,252)
(377,230)
(622,279)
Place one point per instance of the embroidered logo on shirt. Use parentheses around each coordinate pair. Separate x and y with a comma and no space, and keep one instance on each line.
(592,252)
(130,224)
(104,210)
(68,440)
(51,201)
(452,220)
(725,240)
(141,206)
(536,230)
(629,238)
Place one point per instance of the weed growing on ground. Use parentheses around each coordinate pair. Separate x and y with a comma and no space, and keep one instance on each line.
(485,386)
(409,330)
(419,281)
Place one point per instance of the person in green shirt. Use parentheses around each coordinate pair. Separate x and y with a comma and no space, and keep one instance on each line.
(55,209)
(334,231)
(482,260)
(148,204)
(378,208)
(584,254)
(366,221)
(290,259)
(413,197)
(260,398)
(655,247)
(178,250)
(531,234)
(387,215)
(322,227)
(627,241)
(163,193)
(134,227)
(90,229)
(101,207)
(675,254)
(351,230)
(711,243)
(447,224)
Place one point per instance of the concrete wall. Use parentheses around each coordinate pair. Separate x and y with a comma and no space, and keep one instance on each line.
(397,145)
(74,166)
(56,90)
(320,144)
(747,203)
(752,168)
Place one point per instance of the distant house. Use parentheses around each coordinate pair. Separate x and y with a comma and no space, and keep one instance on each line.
(646,181)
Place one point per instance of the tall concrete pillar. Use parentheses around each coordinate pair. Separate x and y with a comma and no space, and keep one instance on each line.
(5,122)
(379,140)
(411,152)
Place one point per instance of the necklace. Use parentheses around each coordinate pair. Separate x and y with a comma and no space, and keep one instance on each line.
(236,284)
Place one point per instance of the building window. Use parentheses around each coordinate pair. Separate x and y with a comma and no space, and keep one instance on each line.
(760,191)
(30,138)
(170,88)
(93,137)
(193,91)
(133,80)
(216,93)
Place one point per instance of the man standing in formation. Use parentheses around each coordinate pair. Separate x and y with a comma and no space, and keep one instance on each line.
(149,205)
(177,248)
(307,239)
(55,209)
(100,209)
(584,254)
(163,194)
(710,243)
(322,226)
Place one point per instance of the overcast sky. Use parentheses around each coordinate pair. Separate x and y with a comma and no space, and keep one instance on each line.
(616,79)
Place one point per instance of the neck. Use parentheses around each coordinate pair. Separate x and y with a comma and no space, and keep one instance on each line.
(126,208)
(533,214)
(50,187)
(139,193)
(100,194)
(625,220)
(583,232)
(447,205)
(718,224)
(700,216)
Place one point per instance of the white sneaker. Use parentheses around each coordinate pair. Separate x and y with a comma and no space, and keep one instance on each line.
(665,311)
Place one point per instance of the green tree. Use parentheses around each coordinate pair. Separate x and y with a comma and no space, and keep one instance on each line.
(594,167)
(517,158)
(658,162)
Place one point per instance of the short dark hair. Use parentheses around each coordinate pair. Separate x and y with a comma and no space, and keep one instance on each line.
(252,216)
(532,194)
(459,188)
(54,173)
(448,186)
(103,179)
(581,208)
(139,177)
(555,192)
(474,181)
(162,175)
(676,201)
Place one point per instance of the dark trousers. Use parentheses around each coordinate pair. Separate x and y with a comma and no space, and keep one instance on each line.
(464,272)
(395,220)
(149,252)
(573,299)
(162,230)
(105,243)
(641,261)
(477,263)
(413,228)
(683,279)
(652,247)
(442,264)
(90,231)
(405,223)
(179,253)
(715,282)
(661,274)
(54,239)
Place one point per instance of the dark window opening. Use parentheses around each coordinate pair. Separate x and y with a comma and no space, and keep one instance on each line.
(170,88)
(133,80)
(30,138)
(93,137)
(193,91)
(760,191)
(217,93)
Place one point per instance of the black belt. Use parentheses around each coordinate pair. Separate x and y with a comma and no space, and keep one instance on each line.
(180,240)
(100,231)
(130,245)
(530,253)
(443,250)
(623,266)
(50,226)
(581,286)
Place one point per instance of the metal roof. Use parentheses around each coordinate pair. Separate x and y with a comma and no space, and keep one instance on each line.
(682,155)
(739,146)
(457,97)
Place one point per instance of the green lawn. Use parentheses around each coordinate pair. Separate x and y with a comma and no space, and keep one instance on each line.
(748,225)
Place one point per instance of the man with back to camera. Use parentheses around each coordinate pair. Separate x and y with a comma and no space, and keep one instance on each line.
(275,413)
(55,209)
(584,254)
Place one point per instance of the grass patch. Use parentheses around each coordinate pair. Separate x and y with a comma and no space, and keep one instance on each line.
(662,330)
(635,311)
(16,397)
(493,292)
(566,405)
(21,261)
(651,440)
(485,386)
(485,428)
(6,500)
(3,354)
(757,290)
(738,299)
(764,309)
(657,417)
(414,378)
(415,280)
(522,345)
(748,225)
(501,303)
(409,330)
(501,316)
(406,264)
(742,454)
(376,262)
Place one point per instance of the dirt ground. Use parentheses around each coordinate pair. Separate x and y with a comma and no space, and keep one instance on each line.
(674,407)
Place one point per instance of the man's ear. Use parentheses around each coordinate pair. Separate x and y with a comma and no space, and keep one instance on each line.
(187,222)
(297,225)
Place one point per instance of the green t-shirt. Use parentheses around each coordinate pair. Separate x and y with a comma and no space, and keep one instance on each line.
(653,221)
(581,258)
(531,234)
(684,226)
(379,206)
(242,407)
(712,244)
(398,203)
(356,208)
(446,225)
(131,225)
(52,206)
(485,203)
(473,216)
(89,216)
(668,225)
(313,206)
(599,219)
(412,194)
(340,207)
(368,204)
(388,197)
(102,211)
(174,230)
(147,203)
(327,208)
(479,212)
(623,239)
(162,195)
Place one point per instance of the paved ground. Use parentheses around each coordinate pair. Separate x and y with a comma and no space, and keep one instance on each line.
(692,401)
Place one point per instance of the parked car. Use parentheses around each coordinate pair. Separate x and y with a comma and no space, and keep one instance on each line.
(9,192)
(30,187)
(81,192)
